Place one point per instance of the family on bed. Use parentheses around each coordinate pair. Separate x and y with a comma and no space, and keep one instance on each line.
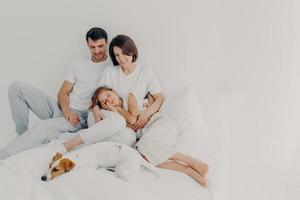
(117,96)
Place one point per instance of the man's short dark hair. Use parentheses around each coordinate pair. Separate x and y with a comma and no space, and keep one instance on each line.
(95,34)
(126,44)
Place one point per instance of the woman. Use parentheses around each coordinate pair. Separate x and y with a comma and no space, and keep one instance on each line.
(156,140)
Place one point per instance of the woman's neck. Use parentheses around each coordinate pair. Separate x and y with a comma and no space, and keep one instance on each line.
(129,69)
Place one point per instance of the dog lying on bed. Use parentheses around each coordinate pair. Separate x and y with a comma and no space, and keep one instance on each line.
(125,160)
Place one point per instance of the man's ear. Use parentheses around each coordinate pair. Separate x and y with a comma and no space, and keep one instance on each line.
(67,164)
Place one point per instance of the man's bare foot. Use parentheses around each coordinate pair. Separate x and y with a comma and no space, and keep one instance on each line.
(198,177)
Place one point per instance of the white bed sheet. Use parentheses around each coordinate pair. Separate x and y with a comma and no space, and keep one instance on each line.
(20,178)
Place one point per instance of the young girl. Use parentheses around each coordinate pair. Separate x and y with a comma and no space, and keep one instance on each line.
(157,140)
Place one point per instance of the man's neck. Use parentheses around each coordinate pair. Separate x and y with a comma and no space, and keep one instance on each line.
(99,61)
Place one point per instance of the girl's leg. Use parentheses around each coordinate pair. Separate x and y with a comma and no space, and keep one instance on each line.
(195,163)
(73,142)
(101,131)
(176,166)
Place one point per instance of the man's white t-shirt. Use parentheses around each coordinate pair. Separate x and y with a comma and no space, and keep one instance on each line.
(139,83)
(85,75)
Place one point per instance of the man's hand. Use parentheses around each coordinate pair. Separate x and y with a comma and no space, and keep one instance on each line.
(143,119)
(71,117)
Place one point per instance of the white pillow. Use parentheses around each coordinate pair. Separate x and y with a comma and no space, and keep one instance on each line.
(184,107)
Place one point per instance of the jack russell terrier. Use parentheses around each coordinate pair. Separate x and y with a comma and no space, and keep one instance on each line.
(125,160)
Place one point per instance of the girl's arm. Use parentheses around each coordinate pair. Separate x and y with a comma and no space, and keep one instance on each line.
(96,113)
(132,113)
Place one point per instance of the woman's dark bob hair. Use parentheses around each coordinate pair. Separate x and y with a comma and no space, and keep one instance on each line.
(126,44)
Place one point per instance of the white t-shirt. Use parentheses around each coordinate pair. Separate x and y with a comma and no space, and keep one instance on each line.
(85,75)
(139,82)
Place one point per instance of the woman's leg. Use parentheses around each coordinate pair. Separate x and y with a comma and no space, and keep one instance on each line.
(195,163)
(176,166)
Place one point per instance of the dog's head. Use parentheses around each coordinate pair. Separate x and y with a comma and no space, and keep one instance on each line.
(58,166)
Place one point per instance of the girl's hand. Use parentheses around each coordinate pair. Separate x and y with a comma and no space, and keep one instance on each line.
(109,107)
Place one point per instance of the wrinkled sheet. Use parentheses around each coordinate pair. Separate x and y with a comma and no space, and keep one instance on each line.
(20,178)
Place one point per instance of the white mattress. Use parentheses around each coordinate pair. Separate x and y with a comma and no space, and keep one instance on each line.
(20,178)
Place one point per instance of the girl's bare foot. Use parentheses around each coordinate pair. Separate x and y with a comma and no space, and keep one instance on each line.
(198,177)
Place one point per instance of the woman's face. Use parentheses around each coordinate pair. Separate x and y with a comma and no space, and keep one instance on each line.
(109,97)
(124,60)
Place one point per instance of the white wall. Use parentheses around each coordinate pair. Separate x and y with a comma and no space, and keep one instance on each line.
(249,47)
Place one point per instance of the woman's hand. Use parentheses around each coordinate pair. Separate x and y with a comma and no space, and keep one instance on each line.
(143,119)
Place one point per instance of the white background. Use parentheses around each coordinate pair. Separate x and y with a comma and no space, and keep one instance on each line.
(246,48)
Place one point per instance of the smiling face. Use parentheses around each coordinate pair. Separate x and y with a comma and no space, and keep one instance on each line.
(109,97)
(98,49)
(124,60)
(58,166)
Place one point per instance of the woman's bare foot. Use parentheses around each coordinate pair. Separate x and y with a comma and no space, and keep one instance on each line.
(198,165)
(198,177)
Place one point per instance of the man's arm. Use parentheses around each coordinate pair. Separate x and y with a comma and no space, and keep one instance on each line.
(146,114)
(64,101)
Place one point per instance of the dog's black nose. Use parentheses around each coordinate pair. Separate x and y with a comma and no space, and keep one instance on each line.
(44,178)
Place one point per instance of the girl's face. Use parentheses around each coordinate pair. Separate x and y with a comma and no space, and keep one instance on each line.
(124,60)
(109,97)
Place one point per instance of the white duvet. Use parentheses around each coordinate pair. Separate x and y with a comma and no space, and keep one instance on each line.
(20,179)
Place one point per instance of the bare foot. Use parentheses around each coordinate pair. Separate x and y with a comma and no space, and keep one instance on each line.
(200,166)
(198,177)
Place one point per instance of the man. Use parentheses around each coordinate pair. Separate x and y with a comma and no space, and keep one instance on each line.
(74,96)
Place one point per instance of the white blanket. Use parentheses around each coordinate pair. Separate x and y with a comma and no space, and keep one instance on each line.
(20,179)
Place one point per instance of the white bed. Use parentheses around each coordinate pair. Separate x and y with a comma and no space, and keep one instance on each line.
(20,174)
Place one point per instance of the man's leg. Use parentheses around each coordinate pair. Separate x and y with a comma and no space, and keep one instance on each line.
(41,133)
(23,97)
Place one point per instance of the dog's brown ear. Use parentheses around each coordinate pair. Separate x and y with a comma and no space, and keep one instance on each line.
(56,157)
(67,164)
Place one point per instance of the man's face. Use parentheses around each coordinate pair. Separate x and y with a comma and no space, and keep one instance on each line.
(98,49)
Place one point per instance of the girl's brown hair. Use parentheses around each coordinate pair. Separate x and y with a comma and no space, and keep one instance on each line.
(95,96)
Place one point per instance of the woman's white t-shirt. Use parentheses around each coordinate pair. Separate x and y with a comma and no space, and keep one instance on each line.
(139,83)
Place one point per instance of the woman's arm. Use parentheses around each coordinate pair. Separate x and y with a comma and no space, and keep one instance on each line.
(155,106)
(132,113)
(96,113)
(146,114)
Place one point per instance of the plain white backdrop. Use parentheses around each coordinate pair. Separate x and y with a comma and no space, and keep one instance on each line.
(249,48)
